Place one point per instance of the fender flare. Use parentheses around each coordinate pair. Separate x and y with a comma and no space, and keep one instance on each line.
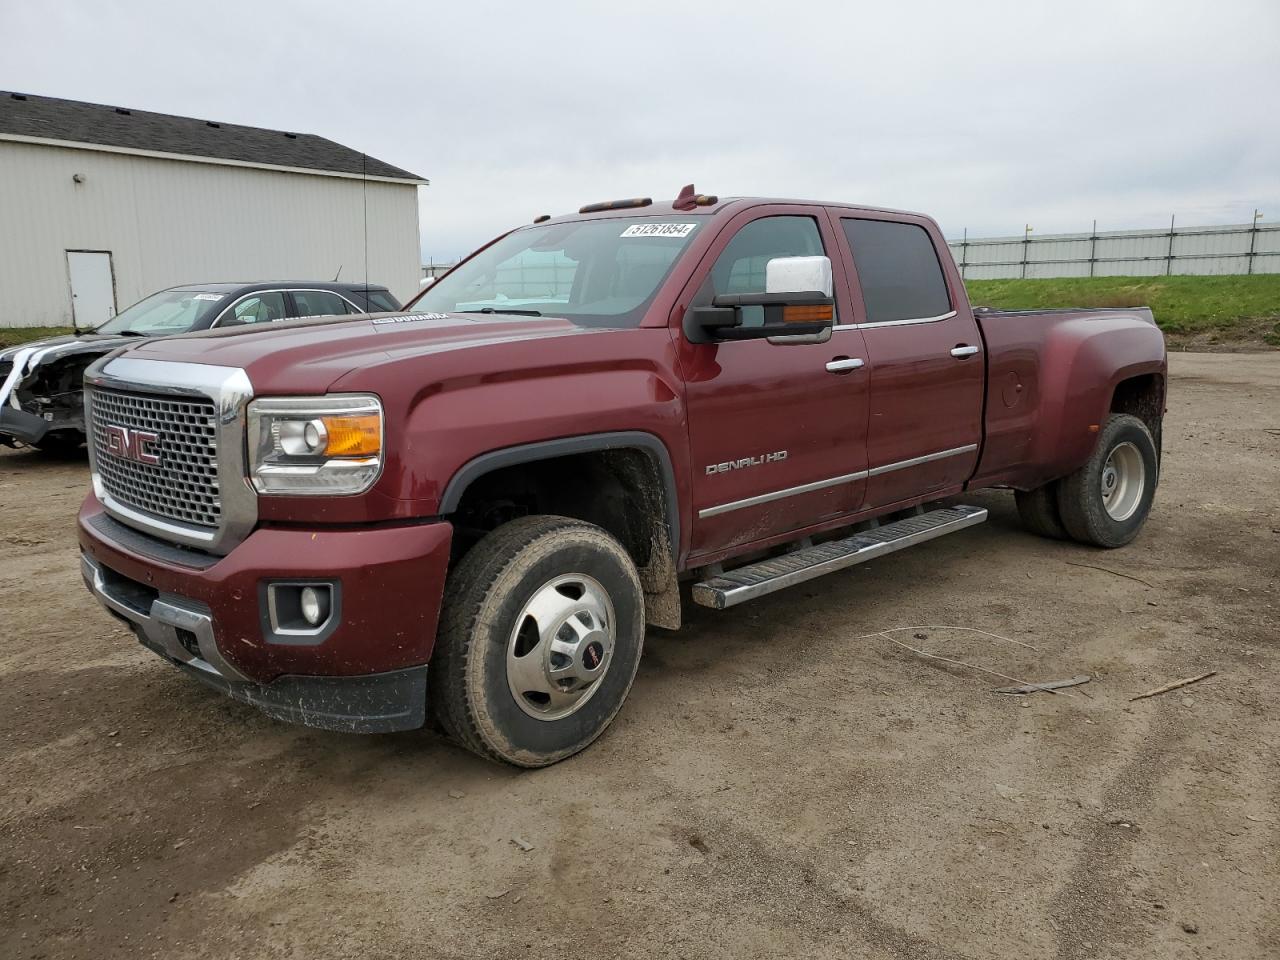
(476,468)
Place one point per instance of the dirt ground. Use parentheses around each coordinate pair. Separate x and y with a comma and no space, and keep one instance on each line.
(778,784)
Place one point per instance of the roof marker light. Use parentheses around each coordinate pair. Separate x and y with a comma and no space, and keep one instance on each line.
(616,204)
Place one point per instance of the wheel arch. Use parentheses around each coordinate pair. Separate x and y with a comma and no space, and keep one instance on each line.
(1143,396)
(655,548)
(486,463)
(1085,362)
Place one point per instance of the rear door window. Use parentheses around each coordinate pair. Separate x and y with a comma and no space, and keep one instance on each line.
(257,308)
(898,270)
(318,303)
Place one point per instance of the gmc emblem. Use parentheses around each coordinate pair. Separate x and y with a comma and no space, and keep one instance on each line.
(135,445)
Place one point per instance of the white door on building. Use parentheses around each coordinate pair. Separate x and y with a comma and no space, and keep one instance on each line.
(93,295)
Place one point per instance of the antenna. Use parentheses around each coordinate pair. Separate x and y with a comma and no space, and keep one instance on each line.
(364,197)
(688,198)
(338,274)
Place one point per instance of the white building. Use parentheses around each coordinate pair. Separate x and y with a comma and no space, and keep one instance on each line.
(101,206)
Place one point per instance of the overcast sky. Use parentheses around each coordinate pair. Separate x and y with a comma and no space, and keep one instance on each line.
(987,115)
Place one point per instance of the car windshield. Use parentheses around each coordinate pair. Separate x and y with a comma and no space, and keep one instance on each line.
(164,313)
(593,272)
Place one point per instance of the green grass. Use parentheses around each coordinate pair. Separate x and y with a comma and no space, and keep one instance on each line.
(12,336)
(1222,307)
(1182,305)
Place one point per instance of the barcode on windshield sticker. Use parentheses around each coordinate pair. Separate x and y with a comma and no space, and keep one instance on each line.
(207,296)
(676,230)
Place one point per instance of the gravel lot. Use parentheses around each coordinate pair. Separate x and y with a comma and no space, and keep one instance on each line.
(778,784)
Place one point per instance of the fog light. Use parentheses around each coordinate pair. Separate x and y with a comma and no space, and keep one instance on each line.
(301,609)
(313,609)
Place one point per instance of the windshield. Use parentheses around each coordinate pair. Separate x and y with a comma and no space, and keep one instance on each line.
(164,313)
(593,272)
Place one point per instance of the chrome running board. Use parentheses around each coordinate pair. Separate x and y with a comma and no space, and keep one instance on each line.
(767,576)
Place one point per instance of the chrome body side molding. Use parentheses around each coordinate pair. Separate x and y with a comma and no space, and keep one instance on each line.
(833,481)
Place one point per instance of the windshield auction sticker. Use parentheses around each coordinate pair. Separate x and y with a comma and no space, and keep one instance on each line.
(676,230)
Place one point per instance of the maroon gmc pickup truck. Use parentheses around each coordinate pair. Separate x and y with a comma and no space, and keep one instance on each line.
(467,513)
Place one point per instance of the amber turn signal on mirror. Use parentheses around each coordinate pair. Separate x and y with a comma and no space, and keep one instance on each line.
(808,313)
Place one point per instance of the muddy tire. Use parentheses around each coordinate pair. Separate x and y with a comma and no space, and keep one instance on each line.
(1106,502)
(539,641)
(1038,510)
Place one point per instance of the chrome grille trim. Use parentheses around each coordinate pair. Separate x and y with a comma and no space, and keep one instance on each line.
(198,495)
(183,486)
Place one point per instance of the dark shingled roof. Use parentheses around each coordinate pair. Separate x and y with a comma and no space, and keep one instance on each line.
(27,115)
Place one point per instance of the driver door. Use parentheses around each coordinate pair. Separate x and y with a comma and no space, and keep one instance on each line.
(777,441)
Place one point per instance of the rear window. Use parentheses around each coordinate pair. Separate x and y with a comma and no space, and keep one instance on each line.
(898,270)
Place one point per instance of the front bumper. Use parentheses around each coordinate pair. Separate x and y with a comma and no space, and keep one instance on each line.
(182,633)
(365,674)
(21,425)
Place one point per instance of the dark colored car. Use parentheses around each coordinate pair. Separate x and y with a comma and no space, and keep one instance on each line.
(471,510)
(40,397)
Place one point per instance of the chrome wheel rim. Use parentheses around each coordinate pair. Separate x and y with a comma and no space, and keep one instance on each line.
(561,646)
(1124,478)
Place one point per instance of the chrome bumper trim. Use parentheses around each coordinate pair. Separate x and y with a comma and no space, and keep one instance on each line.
(159,620)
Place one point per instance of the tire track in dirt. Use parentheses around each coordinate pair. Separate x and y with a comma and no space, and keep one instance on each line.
(1094,907)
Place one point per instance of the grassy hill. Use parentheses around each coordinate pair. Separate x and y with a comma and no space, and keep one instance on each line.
(1204,308)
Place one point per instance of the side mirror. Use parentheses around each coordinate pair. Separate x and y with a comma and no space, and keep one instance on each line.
(798,306)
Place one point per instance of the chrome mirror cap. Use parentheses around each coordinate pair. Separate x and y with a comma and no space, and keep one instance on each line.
(798,275)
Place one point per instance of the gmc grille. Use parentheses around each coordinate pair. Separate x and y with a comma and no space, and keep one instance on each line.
(183,486)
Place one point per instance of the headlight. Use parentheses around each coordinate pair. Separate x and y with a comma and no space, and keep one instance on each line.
(315,445)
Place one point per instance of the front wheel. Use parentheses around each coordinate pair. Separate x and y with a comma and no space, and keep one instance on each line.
(539,641)
(1106,501)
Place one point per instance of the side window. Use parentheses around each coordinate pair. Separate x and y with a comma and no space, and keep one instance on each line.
(318,303)
(259,308)
(741,267)
(898,270)
(380,300)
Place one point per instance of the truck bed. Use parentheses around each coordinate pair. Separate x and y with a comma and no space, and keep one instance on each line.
(1051,375)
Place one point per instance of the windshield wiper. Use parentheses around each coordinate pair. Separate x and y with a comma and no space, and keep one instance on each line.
(520,313)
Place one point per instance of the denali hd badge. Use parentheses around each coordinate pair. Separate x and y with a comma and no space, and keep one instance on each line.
(746,462)
(136,445)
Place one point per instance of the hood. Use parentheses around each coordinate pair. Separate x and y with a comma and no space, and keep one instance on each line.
(55,348)
(18,363)
(308,355)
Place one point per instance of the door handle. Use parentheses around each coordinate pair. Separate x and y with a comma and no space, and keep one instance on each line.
(843,364)
(964,350)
